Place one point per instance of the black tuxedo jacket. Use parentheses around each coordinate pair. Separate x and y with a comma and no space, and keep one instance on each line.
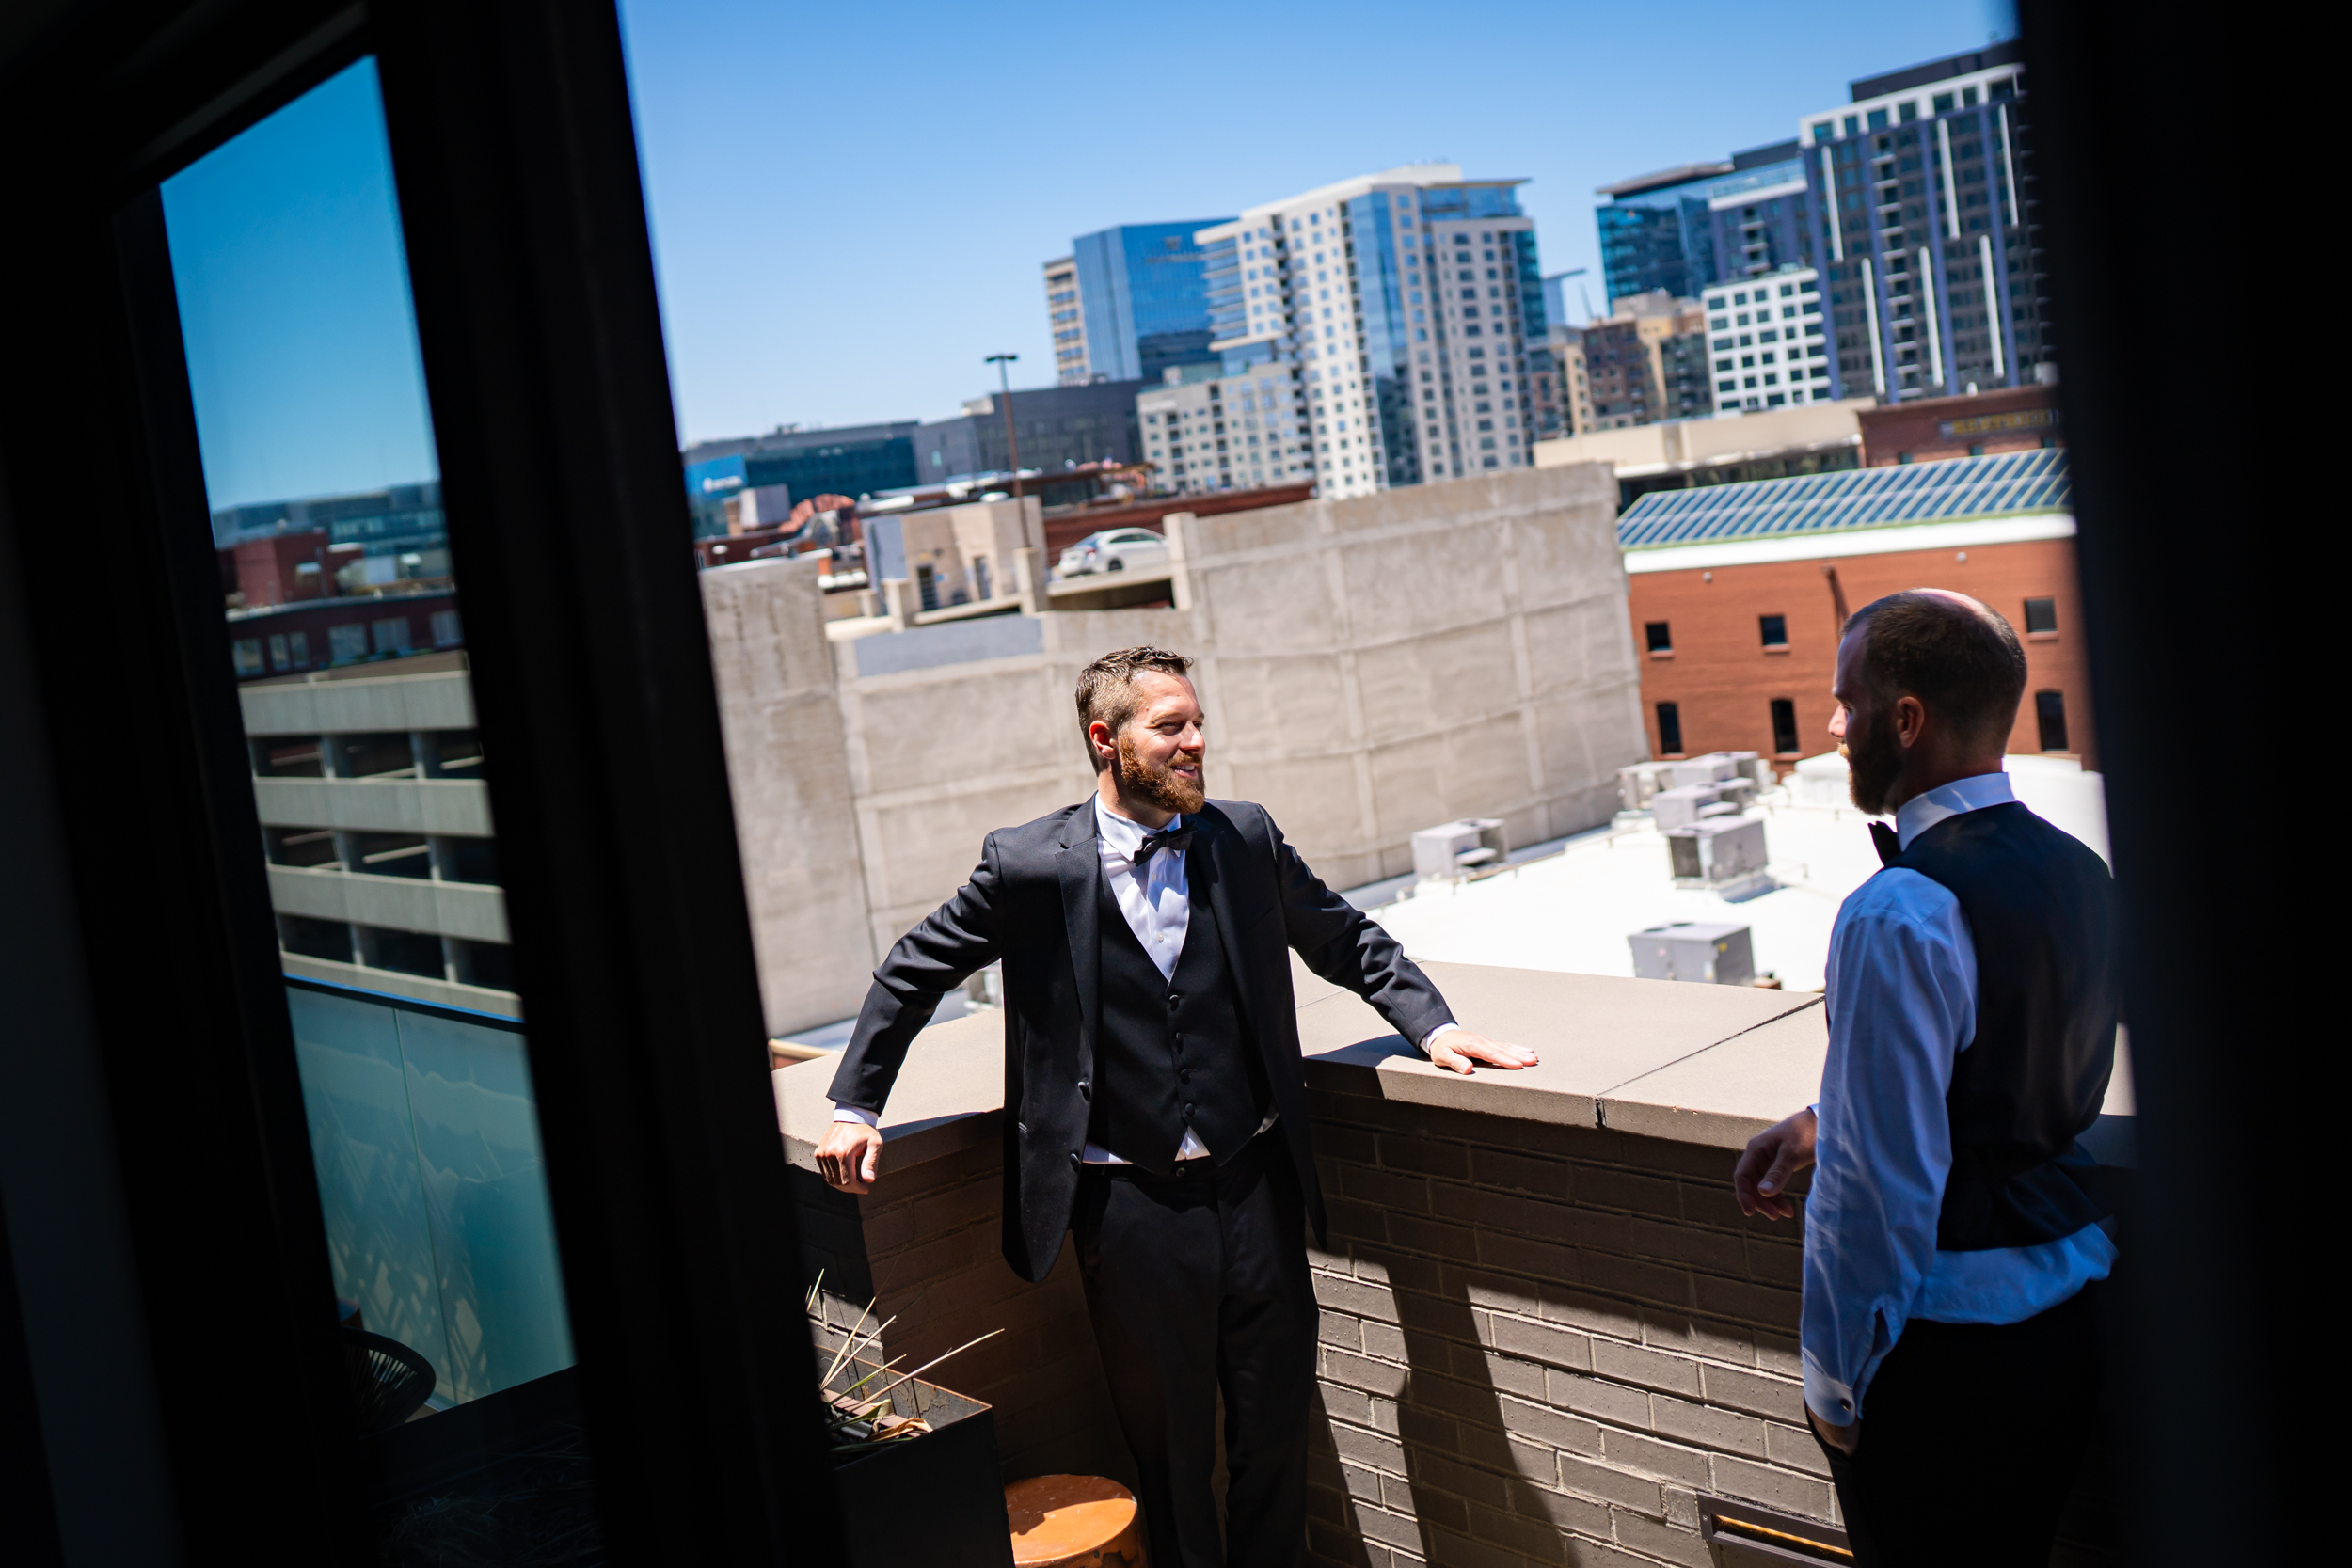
(1034,902)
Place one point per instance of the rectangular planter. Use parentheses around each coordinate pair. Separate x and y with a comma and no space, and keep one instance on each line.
(933,1499)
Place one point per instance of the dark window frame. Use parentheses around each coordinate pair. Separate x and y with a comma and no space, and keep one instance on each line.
(1669,716)
(516,164)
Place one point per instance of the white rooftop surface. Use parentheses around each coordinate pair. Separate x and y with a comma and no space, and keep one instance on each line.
(1571,910)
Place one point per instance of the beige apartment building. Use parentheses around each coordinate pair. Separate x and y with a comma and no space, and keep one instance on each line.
(375,821)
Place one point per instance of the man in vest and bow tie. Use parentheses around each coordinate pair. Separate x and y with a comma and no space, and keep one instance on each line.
(1953,1237)
(1155,1100)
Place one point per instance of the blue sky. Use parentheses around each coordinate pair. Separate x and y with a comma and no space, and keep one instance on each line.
(849,204)
(294,303)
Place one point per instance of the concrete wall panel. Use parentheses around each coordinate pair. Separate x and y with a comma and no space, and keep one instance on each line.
(1281,705)
(1411,688)
(795,823)
(1276,604)
(1477,769)
(1579,645)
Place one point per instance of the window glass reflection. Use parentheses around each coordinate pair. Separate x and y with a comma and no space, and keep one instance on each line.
(369,770)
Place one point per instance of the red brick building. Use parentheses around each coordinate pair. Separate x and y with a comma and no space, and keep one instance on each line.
(2007,418)
(1736,623)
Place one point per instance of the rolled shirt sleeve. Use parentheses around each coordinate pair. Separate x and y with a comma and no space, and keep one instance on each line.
(1901,996)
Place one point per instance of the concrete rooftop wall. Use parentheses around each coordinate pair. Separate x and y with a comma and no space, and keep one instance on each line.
(794,823)
(1369,667)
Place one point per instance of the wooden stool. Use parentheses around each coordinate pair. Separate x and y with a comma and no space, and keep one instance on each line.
(1073,1522)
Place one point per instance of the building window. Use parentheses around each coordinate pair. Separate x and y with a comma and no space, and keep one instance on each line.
(248,656)
(1660,637)
(2041,617)
(1669,729)
(1775,630)
(2049,709)
(1784,726)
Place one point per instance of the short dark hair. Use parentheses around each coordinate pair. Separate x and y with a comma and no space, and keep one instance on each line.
(1958,657)
(1106,688)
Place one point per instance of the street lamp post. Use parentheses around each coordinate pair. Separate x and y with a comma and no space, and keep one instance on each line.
(1012,446)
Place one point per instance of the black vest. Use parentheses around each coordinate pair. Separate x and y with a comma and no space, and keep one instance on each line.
(1173,1052)
(2040,911)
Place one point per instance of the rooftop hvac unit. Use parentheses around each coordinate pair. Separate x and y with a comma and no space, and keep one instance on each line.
(1637,783)
(1682,806)
(1714,766)
(1686,950)
(1717,851)
(1738,792)
(1456,850)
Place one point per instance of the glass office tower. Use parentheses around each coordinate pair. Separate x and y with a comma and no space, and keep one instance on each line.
(1144,300)
(1684,228)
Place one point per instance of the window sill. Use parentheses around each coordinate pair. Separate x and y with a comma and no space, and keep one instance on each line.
(1661,652)
(1776,647)
(2041,637)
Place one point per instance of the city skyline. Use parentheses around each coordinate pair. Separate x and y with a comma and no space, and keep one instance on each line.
(1019,184)
(293,291)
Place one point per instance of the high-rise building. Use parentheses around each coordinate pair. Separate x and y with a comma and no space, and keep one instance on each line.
(1406,300)
(1678,231)
(1647,361)
(1066,319)
(1923,220)
(1127,303)
(1765,339)
(1237,431)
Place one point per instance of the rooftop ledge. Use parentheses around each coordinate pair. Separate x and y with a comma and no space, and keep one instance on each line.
(1710,1065)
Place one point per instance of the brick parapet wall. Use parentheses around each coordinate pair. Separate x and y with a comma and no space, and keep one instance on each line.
(1541,1344)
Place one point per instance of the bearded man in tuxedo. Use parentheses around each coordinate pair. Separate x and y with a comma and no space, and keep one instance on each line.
(1155,1100)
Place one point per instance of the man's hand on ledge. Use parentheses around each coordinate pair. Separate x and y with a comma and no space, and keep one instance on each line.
(1771,1160)
(850,1156)
(1456,1049)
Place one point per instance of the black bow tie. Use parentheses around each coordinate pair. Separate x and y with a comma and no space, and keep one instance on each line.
(1177,839)
(1890,844)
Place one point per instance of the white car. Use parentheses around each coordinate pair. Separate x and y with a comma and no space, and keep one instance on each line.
(1117,550)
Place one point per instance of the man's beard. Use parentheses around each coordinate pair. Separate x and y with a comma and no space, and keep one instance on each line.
(1874,761)
(1161,785)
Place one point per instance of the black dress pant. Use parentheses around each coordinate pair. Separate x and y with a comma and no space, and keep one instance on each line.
(1197,1282)
(1972,1436)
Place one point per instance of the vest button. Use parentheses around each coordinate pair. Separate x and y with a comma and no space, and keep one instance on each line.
(1086,1090)
(1174,1000)
(1184,1075)
(1187,1110)
(1074,1159)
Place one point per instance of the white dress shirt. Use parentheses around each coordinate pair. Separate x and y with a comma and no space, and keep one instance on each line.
(1902,1006)
(1158,906)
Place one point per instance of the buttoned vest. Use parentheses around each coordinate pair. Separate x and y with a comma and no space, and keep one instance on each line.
(1173,1051)
(2041,913)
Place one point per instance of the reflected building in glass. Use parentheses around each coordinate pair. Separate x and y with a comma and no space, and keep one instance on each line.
(369,779)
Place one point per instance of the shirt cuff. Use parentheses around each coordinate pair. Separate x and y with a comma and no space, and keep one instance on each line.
(1827,1397)
(851,1113)
(1433,1034)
